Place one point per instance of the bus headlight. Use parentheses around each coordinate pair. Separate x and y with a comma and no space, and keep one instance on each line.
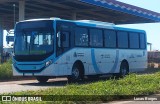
(48,63)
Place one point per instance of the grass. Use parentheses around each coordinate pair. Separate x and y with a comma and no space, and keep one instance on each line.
(104,90)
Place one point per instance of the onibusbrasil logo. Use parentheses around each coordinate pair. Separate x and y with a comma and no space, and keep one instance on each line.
(20,98)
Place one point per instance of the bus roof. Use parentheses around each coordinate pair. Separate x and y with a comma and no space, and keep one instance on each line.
(129,29)
(90,23)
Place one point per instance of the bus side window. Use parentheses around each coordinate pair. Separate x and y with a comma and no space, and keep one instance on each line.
(134,40)
(96,38)
(110,39)
(142,41)
(122,39)
(81,36)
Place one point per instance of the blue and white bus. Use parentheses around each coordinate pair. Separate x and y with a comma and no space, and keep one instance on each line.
(54,47)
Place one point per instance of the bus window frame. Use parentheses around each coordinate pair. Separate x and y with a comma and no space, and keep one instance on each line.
(103,38)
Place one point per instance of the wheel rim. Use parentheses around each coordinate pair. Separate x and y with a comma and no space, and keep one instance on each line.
(75,73)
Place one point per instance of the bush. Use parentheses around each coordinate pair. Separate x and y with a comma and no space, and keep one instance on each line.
(6,70)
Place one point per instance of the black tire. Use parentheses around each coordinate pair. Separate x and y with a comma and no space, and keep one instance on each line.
(42,79)
(77,74)
(124,69)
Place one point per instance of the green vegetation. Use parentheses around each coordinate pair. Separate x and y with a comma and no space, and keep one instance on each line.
(130,85)
(6,70)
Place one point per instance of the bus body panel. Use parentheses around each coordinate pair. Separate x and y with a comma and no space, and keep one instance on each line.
(106,61)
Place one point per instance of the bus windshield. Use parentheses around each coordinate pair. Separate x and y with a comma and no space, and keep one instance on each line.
(33,41)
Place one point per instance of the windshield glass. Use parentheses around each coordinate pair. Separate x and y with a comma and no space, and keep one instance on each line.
(33,41)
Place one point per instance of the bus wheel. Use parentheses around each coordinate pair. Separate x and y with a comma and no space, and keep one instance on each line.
(76,74)
(124,69)
(42,79)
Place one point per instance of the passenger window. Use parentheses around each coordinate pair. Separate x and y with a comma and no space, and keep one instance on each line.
(142,41)
(96,38)
(134,40)
(110,38)
(122,39)
(81,37)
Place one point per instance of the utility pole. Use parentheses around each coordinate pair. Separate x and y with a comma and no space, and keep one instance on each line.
(150,45)
(1,43)
(21,10)
(14,15)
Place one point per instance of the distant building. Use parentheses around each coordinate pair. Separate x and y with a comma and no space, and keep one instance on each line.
(154,56)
